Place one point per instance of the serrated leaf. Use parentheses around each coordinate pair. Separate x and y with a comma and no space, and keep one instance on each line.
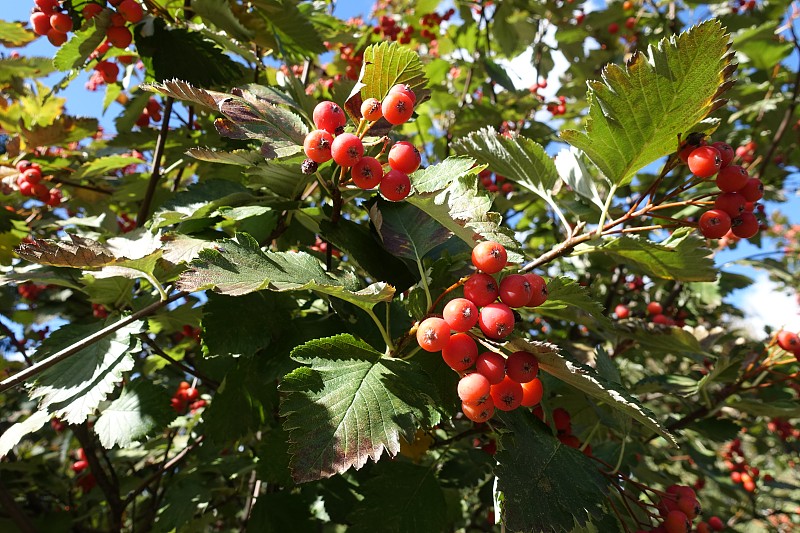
(180,248)
(406,231)
(44,275)
(682,257)
(141,410)
(281,179)
(16,432)
(518,158)
(74,53)
(439,176)
(24,67)
(546,485)
(220,14)
(566,298)
(80,253)
(637,113)
(14,34)
(102,165)
(572,169)
(289,28)
(64,129)
(242,158)
(414,505)
(199,201)
(349,405)
(588,381)
(73,388)
(238,266)
(226,338)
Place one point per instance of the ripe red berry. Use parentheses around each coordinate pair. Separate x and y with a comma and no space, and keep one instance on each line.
(191,394)
(677,522)
(404,156)
(31,175)
(56,37)
(433,334)
(460,352)
(406,90)
(496,320)
(789,341)
(515,290)
(317,146)
(330,117)
(561,420)
(532,393)
(367,173)
(522,367)
(726,152)
(119,36)
(538,289)
(91,10)
(613,28)
(61,22)
(347,149)
(108,71)
(80,466)
(730,202)
(654,308)
(371,109)
(745,225)
(489,256)
(507,395)
(479,413)
(716,523)
(131,10)
(704,161)
(689,506)
(753,190)
(630,23)
(492,365)
(714,223)
(47,6)
(702,527)
(473,389)
(460,314)
(40,22)
(395,186)
(732,178)
(397,108)
(622,312)
(481,289)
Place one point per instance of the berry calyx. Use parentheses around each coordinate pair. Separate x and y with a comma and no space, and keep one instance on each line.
(395,186)
(726,152)
(714,223)
(367,173)
(406,90)
(473,389)
(522,367)
(347,149)
(433,334)
(460,314)
(317,146)
(704,161)
(506,395)
(496,320)
(489,256)
(460,352)
(481,289)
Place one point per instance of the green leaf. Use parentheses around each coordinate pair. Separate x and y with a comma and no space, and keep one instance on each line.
(681,257)
(140,411)
(103,165)
(772,408)
(64,129)
(566,299)
(199,201)
(239,266)
(289,28)
(498,74)
(637,113)
(407,231)
(439,176)
(546,486)
(24,67)
(284,180)
(221,336)
(16,432)
(415,503)
(249,117)
(588,381)
(14,34)
(518,158)
(242,158)
(220,14)
(73,388)
(760,47)
(74,53)
(349,405)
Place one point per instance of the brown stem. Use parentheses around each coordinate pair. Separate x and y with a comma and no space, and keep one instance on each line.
(165,467)
(184,367)
(106,482)
(144,209)
(77,185)
(16,342)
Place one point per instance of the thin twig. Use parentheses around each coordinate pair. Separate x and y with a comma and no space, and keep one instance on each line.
(104,481)
(20,346)
(166,466)
(186,368)
(144,210)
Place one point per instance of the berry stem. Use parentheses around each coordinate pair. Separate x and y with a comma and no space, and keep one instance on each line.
(386,338)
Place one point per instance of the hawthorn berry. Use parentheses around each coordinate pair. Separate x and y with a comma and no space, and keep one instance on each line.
(91,10)
(622,311)
(397,108)
(515,290)
(371,109)
(330,117)
(689,506)
(726,152)
(613,28)
(347,149)
(119,36)
(506,395)
(406,90)
(404,156)
(433,334)
(789,341)
(479,413)
(704,161)
(473,389)
(481,289)
(732,178)
(317,146)
(745,225)
(496,320)
(730,202)
(460,352)
(538,289)
(31,175)
(522,367)
(367,173)
(492,365)
(489,256)
(56,37)
(395,185)
(40,22)
(714,223)
(131,10)
(677,522)
(561,420)
(532,393)
(753,190)
(716,523)
(47,6)
(460,314)
(61,22)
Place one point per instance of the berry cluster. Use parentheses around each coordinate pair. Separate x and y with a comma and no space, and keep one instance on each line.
(562,421)
(494,182)
(499,382)
(85,481)
(48,18)
(736,461)
(329,141)
(151,112)
(789,341)
(186,397)
(106,71)
(678,508)
(559,108)
(30,291)
(30,184)
(99,311)
(784,429)
(734,206)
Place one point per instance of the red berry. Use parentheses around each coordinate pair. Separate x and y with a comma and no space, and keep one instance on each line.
(716,523)
(367,173)
(61,22)
(397,108)
(570,440)
(496,320)
(622,312)
(789,341)
(714,223)
(481,289)
(492,365)
(654,308)
(538,289)
(702,527)
(506,395)
(108,70)
(661,319)
(460,314)
(730,202)
(704,161)
(726,152)
(330,117)
(479,413)
(119,36)
(80,466)
(489,256)
(191,394)
(522,367)
(371,109)
(91,10)
(515,290)
(55,198)
(131,10)
(745,225)
(395,186)
(562,420)
(317,146)
(56,37)
(630,23)
(47,6)
(532,393)
(473,389)
(406,90)
(689,506)
(732,178)
(32,175)
(613,28)
(40,22)
(347,149)
(753,190)
(433,334)
(677,522)
(403,156)
(460,352)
